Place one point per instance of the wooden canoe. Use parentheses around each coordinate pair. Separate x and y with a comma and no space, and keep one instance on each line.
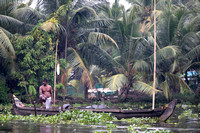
(163,113)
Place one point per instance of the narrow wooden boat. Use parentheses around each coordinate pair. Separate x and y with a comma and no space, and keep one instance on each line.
(163,112)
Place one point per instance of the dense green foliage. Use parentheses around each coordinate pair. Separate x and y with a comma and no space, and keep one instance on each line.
(4,92)
(100,44)
(98,40)
(35,58)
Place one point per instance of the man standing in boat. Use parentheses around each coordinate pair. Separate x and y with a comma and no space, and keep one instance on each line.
(45,94)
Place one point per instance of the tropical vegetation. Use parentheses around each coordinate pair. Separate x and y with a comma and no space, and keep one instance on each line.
(99,44)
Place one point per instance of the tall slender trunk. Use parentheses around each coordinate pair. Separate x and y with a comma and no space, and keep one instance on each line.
(66,39)
(154,68)
(86,91)
(54,99)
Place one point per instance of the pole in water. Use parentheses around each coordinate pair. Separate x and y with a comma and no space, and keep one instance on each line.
(154,68)
(34,102)
(54,98)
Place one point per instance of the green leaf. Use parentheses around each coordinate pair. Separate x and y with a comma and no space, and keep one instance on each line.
(32,90)
(27,15)
(6,48)
(115,82)
(74,83)
(145,88)
(164,85)
(101,39)
(142,66)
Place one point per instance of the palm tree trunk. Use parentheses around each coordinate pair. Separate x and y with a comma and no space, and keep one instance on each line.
(86,91)
(66,39)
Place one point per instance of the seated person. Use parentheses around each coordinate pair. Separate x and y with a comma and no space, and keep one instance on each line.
(45,94)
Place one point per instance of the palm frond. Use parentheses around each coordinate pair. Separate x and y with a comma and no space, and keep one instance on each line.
(164,85)
(74,83)
(142,49)
(175,79)
(92,52)
(190,45)
(167,52)
(94,70)
(194,53)
(167,27)
(54,27)
(67,74)
(95,4)
(100,39)
(145,88)
(47,6)
(11,24)
(142,66)
(8,34)
(186,21)
(116,81)
(133,11)
(76,62)
(27,15)
(124,17)
(7,6)
(194,24)
(6,48)
(85,13)
(174,65)
(188,65)
(105,22)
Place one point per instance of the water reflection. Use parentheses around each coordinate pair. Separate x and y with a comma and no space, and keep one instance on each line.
(45,129)
(29,127)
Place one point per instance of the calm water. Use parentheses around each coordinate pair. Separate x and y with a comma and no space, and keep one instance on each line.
(189,125)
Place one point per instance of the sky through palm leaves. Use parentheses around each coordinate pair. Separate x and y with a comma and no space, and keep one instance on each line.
(122,2)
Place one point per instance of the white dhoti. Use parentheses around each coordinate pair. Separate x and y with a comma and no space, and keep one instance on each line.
(48,103)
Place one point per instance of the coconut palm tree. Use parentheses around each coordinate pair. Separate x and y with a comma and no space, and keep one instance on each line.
(120,58)
(177,27)
(133,55)
(19,17)
(73,24)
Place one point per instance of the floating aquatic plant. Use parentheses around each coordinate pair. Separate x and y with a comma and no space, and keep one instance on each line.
(77,116)
(188,114)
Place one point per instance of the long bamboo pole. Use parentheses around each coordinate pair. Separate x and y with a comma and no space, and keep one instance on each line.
(154,68)
(54,98)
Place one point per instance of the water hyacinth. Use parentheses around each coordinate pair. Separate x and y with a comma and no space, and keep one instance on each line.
(187,114)
(141,120)
(145,128)
(77,116)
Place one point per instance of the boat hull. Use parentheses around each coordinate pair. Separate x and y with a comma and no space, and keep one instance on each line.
(163,113)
